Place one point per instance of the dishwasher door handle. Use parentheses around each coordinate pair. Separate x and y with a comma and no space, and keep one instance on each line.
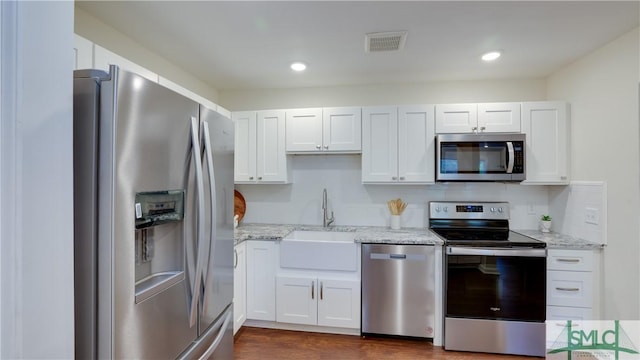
(387,256)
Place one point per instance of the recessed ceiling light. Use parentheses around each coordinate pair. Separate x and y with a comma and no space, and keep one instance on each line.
(298,66)
(490,56)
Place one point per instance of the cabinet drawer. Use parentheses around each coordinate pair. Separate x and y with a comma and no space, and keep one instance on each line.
(568,313)
(569,288)
(570,260)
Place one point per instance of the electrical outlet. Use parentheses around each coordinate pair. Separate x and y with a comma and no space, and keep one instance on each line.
(591,216)
(531,210)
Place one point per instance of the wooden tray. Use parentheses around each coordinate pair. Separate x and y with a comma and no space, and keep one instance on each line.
(240,206)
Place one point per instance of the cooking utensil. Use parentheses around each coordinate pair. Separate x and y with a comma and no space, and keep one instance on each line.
(396,206)
(240,205)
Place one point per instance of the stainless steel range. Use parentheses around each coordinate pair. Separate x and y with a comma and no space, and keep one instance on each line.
(495,280)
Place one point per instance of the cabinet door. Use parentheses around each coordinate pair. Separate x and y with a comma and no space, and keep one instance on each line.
(416,144)
(239,286)
(456,118)
(380,144)
(570,288)
(261,280)
(82,53)
(297,300)
(547,149)
(499,117)
(245,146)
(342,129)
(339,303)
(568,313)
(271,157)
(103,58)
(304,130)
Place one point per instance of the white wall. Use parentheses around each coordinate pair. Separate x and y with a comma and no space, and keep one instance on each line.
(603,91)
(390,94)
(36,186)
(106,36)
(357,204)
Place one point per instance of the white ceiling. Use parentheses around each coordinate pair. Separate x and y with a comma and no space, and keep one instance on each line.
(247,45)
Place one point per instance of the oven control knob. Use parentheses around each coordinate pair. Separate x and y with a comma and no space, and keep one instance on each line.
(437,208)
(500,209)
(446,209)
(493,209)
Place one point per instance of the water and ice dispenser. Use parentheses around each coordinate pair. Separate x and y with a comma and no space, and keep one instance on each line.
(159,241)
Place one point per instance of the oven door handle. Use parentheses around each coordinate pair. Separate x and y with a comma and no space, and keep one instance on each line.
(528,252)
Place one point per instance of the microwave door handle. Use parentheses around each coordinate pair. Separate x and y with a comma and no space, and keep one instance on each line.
(510,157)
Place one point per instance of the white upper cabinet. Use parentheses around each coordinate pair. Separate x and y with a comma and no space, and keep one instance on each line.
(398,144)
(546,125)
(304,130)
(477,118)
(103,58)
(324,130)
(499,117)
(260,155)
(341,129)
(82,53)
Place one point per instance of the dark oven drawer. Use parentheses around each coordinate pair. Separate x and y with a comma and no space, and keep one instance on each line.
(503,285)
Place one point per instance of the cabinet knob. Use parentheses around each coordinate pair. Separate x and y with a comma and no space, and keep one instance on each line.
(250,177)
(326,147)
(401,177)
(259,177)
(394,178)
(474,129)
(482,129)
(318,147)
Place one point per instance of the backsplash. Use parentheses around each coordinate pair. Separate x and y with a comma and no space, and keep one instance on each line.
(580,210)
(366,205)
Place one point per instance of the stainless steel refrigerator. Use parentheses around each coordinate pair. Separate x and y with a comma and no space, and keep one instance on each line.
(153,200)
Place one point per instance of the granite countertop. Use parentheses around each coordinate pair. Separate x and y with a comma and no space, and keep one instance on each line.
(363,234)
(556,240)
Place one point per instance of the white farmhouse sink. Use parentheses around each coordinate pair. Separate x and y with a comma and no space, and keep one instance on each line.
(319,250)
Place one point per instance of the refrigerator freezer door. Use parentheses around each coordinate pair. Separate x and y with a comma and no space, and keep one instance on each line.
(144,146)
(218,142)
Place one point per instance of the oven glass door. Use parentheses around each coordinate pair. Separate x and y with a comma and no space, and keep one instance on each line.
(496,286)
(474,157)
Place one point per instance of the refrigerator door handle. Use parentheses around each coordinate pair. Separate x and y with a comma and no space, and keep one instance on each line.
(207,354)
(195,289)
(210,244)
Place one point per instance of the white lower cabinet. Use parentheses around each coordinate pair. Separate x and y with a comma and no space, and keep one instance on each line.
(572,284)
(239,286)
(261,280)
(318,301)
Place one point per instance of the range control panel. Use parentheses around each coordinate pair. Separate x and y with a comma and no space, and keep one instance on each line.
(470,210)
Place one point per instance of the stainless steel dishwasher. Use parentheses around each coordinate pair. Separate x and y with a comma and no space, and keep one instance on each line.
(398,290)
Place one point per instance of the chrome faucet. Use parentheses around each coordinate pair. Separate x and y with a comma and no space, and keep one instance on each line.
(326,221)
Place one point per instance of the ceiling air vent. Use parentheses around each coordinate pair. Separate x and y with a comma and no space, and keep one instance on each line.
(385,41)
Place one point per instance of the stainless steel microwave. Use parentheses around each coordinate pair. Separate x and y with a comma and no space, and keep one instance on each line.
(480,157)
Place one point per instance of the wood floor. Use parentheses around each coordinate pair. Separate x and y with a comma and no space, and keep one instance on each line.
(266,344)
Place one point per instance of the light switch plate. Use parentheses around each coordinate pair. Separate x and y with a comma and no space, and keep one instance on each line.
(591,216)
